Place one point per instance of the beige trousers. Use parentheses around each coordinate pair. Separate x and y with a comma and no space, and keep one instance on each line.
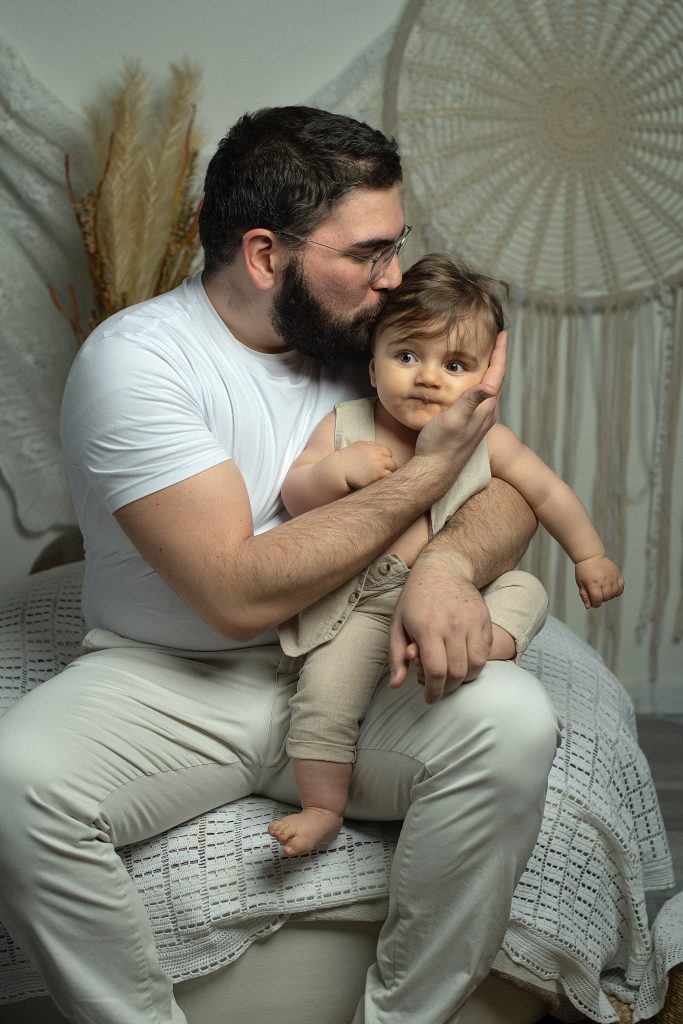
(338,678)
(131,740)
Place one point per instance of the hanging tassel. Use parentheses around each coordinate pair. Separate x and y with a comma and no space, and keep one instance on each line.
(663,453)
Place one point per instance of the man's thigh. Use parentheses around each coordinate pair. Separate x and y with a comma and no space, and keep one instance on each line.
(485,729)
(139,740)
(487,732)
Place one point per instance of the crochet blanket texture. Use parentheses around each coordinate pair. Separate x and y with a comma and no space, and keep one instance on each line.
(215,884)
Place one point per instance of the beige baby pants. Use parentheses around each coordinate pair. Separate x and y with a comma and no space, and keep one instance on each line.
(339,677)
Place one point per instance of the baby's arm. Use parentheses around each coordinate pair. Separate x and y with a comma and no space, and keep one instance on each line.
(322,474)
(560,511)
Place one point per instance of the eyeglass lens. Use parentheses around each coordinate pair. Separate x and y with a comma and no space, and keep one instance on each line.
(385,258)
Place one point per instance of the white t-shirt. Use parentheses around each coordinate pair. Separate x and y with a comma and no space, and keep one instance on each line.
(159,393)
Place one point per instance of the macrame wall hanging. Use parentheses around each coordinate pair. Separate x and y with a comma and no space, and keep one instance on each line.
(543,142)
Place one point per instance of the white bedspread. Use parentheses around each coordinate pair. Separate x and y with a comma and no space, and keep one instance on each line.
(215,884)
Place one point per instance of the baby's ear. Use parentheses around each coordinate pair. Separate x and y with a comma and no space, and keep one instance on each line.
(371,368)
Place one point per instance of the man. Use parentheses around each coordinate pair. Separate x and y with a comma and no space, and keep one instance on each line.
(180,419)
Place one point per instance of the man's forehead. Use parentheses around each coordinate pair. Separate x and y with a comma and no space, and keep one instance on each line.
(366,215)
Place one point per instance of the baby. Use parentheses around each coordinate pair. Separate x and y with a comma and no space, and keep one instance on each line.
(432,342)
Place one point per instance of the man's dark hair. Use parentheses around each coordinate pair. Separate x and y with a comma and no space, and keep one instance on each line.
(441,293)
(284,168)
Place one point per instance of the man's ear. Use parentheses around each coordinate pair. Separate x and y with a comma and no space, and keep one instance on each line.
(262,254)
(371,367)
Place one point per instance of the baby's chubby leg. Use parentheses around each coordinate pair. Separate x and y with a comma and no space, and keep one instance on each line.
(503,647)
(323,790)
(336,684)
(518,605)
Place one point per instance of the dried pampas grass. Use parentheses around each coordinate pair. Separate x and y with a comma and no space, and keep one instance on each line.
(139,223)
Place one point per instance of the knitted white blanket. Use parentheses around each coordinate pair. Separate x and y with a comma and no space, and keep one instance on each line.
(215,884)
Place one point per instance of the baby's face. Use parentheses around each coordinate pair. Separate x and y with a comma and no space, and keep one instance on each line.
(417,377)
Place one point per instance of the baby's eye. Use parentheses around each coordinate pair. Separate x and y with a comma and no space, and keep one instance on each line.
(405,357)
(455,367)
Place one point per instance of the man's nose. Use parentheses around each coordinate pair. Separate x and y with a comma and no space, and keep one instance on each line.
(391,278)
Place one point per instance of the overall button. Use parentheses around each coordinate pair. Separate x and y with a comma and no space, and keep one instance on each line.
(337,624)
(354,596)
(384,568)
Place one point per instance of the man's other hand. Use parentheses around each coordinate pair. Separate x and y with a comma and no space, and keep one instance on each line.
(442,624)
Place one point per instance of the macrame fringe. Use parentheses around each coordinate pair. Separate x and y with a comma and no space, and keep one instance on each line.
(650,625)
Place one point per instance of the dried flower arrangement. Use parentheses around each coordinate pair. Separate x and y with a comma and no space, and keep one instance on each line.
(139,224)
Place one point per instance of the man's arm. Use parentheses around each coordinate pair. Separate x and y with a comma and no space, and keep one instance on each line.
(198,534)
(441,613)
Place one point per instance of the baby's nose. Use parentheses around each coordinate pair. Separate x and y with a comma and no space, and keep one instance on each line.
(429,375)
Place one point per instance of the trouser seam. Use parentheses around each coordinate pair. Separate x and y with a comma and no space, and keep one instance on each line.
(180,768)
(266,763)
(395,753)
(165,771)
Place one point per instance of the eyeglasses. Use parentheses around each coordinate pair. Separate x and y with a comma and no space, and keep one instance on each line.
(379,263)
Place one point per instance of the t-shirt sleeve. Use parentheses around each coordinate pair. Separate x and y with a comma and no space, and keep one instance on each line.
(134,422)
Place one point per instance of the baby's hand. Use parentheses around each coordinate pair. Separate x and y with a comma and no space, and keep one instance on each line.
(598,580)
(364,462)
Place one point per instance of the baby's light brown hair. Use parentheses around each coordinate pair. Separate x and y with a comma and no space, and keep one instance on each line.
(440,293)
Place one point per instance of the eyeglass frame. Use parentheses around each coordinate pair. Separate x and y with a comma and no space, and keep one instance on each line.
(393,249)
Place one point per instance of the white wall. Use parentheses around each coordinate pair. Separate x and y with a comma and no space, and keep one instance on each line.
(252,53)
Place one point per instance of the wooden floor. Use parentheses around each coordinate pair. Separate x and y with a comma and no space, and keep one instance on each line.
(662,741)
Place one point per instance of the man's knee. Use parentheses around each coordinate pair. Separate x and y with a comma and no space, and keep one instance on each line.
(498,733)
(520,728)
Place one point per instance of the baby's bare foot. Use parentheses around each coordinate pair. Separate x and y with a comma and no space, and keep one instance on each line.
(301,833)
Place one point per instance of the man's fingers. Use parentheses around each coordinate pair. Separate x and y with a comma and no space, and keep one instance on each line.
(434,668)
(478,394)
(457,659)
(398,672)
(478,650)
(412,652)
(495,374)
(492,382)
(452,635)
(398,653)
(466,662)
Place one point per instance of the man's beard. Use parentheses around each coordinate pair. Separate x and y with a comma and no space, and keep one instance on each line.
(303,323)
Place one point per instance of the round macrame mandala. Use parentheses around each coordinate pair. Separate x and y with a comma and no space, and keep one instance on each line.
(543,139)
